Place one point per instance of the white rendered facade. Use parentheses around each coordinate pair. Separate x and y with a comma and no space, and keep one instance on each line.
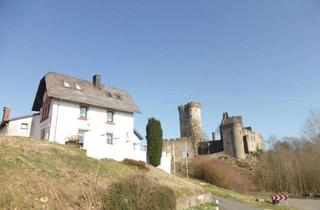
(18,127)
(64,121)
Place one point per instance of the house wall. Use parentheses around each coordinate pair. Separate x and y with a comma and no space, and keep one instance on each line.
(35,127)
(45,124)
(65,122)
(13,128)
(97,147)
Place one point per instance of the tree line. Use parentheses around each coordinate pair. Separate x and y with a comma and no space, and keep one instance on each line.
(292,164)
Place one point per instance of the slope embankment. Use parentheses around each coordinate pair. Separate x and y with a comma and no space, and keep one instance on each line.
(36,174)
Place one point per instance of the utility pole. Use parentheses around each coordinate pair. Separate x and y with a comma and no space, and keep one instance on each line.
(174,157)
(186,157)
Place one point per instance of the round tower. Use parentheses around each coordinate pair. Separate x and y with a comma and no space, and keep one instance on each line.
(232,136)
(238,145)
(194,118)
(182,120)
(190,119)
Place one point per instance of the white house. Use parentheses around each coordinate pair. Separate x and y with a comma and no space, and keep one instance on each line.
(101,117)
(25,126)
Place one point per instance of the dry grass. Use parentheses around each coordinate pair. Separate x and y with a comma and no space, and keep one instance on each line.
(223,173)
(36,174)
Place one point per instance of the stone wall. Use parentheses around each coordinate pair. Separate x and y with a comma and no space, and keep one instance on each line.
(210,147)
(176,148)
(192,201)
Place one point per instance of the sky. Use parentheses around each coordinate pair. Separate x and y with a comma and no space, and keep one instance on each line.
(259,59)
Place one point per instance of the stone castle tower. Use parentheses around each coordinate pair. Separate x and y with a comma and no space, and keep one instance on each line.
(232,136)
(190,120)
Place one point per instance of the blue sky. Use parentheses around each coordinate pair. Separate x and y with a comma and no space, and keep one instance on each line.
(258,59)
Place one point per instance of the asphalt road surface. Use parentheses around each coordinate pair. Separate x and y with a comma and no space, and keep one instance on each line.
(233,205)
(301,204)
(304,204)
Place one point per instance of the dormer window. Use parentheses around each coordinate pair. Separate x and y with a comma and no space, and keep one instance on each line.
(66,84)
(109,94)
(78,87)
(118,97)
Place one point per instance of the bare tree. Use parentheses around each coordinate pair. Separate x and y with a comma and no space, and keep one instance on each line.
(272,141)
(311,129)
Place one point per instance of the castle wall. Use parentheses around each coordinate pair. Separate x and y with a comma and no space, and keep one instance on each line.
(210,147)
(254,140)
(233,140)
(176,148)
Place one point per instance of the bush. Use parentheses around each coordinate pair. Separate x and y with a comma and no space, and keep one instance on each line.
(139,193)
(222,174)
(137,163)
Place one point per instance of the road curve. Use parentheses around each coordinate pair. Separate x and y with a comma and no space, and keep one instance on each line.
(226,204)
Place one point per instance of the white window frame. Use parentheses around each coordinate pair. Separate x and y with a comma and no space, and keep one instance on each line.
(24,126)
(86,113)
(112,116)
(108,140)
(82,134)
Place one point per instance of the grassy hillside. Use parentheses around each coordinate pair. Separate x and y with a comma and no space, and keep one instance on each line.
(37,174)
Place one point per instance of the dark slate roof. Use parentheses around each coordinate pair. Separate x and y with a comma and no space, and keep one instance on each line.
(21,117)
(53,83)
(138,134)
(232,120)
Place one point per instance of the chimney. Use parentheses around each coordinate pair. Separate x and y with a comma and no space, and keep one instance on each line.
(213,136)
(96,80)
(225,115)
(6,114)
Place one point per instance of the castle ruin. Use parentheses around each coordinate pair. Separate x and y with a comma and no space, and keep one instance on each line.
(190,123)
(236,140)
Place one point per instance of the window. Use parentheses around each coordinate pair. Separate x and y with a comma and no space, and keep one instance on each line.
(66,84)
(81,136)
(109,116)
(109,138)
(109,94)
(118,97)
(78,87)
(24,126)
(83,111)
(45,109)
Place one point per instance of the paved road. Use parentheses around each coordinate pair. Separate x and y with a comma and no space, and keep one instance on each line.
(233,205)
(304,204)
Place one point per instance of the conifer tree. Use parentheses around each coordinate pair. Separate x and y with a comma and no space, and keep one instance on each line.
(154,142)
